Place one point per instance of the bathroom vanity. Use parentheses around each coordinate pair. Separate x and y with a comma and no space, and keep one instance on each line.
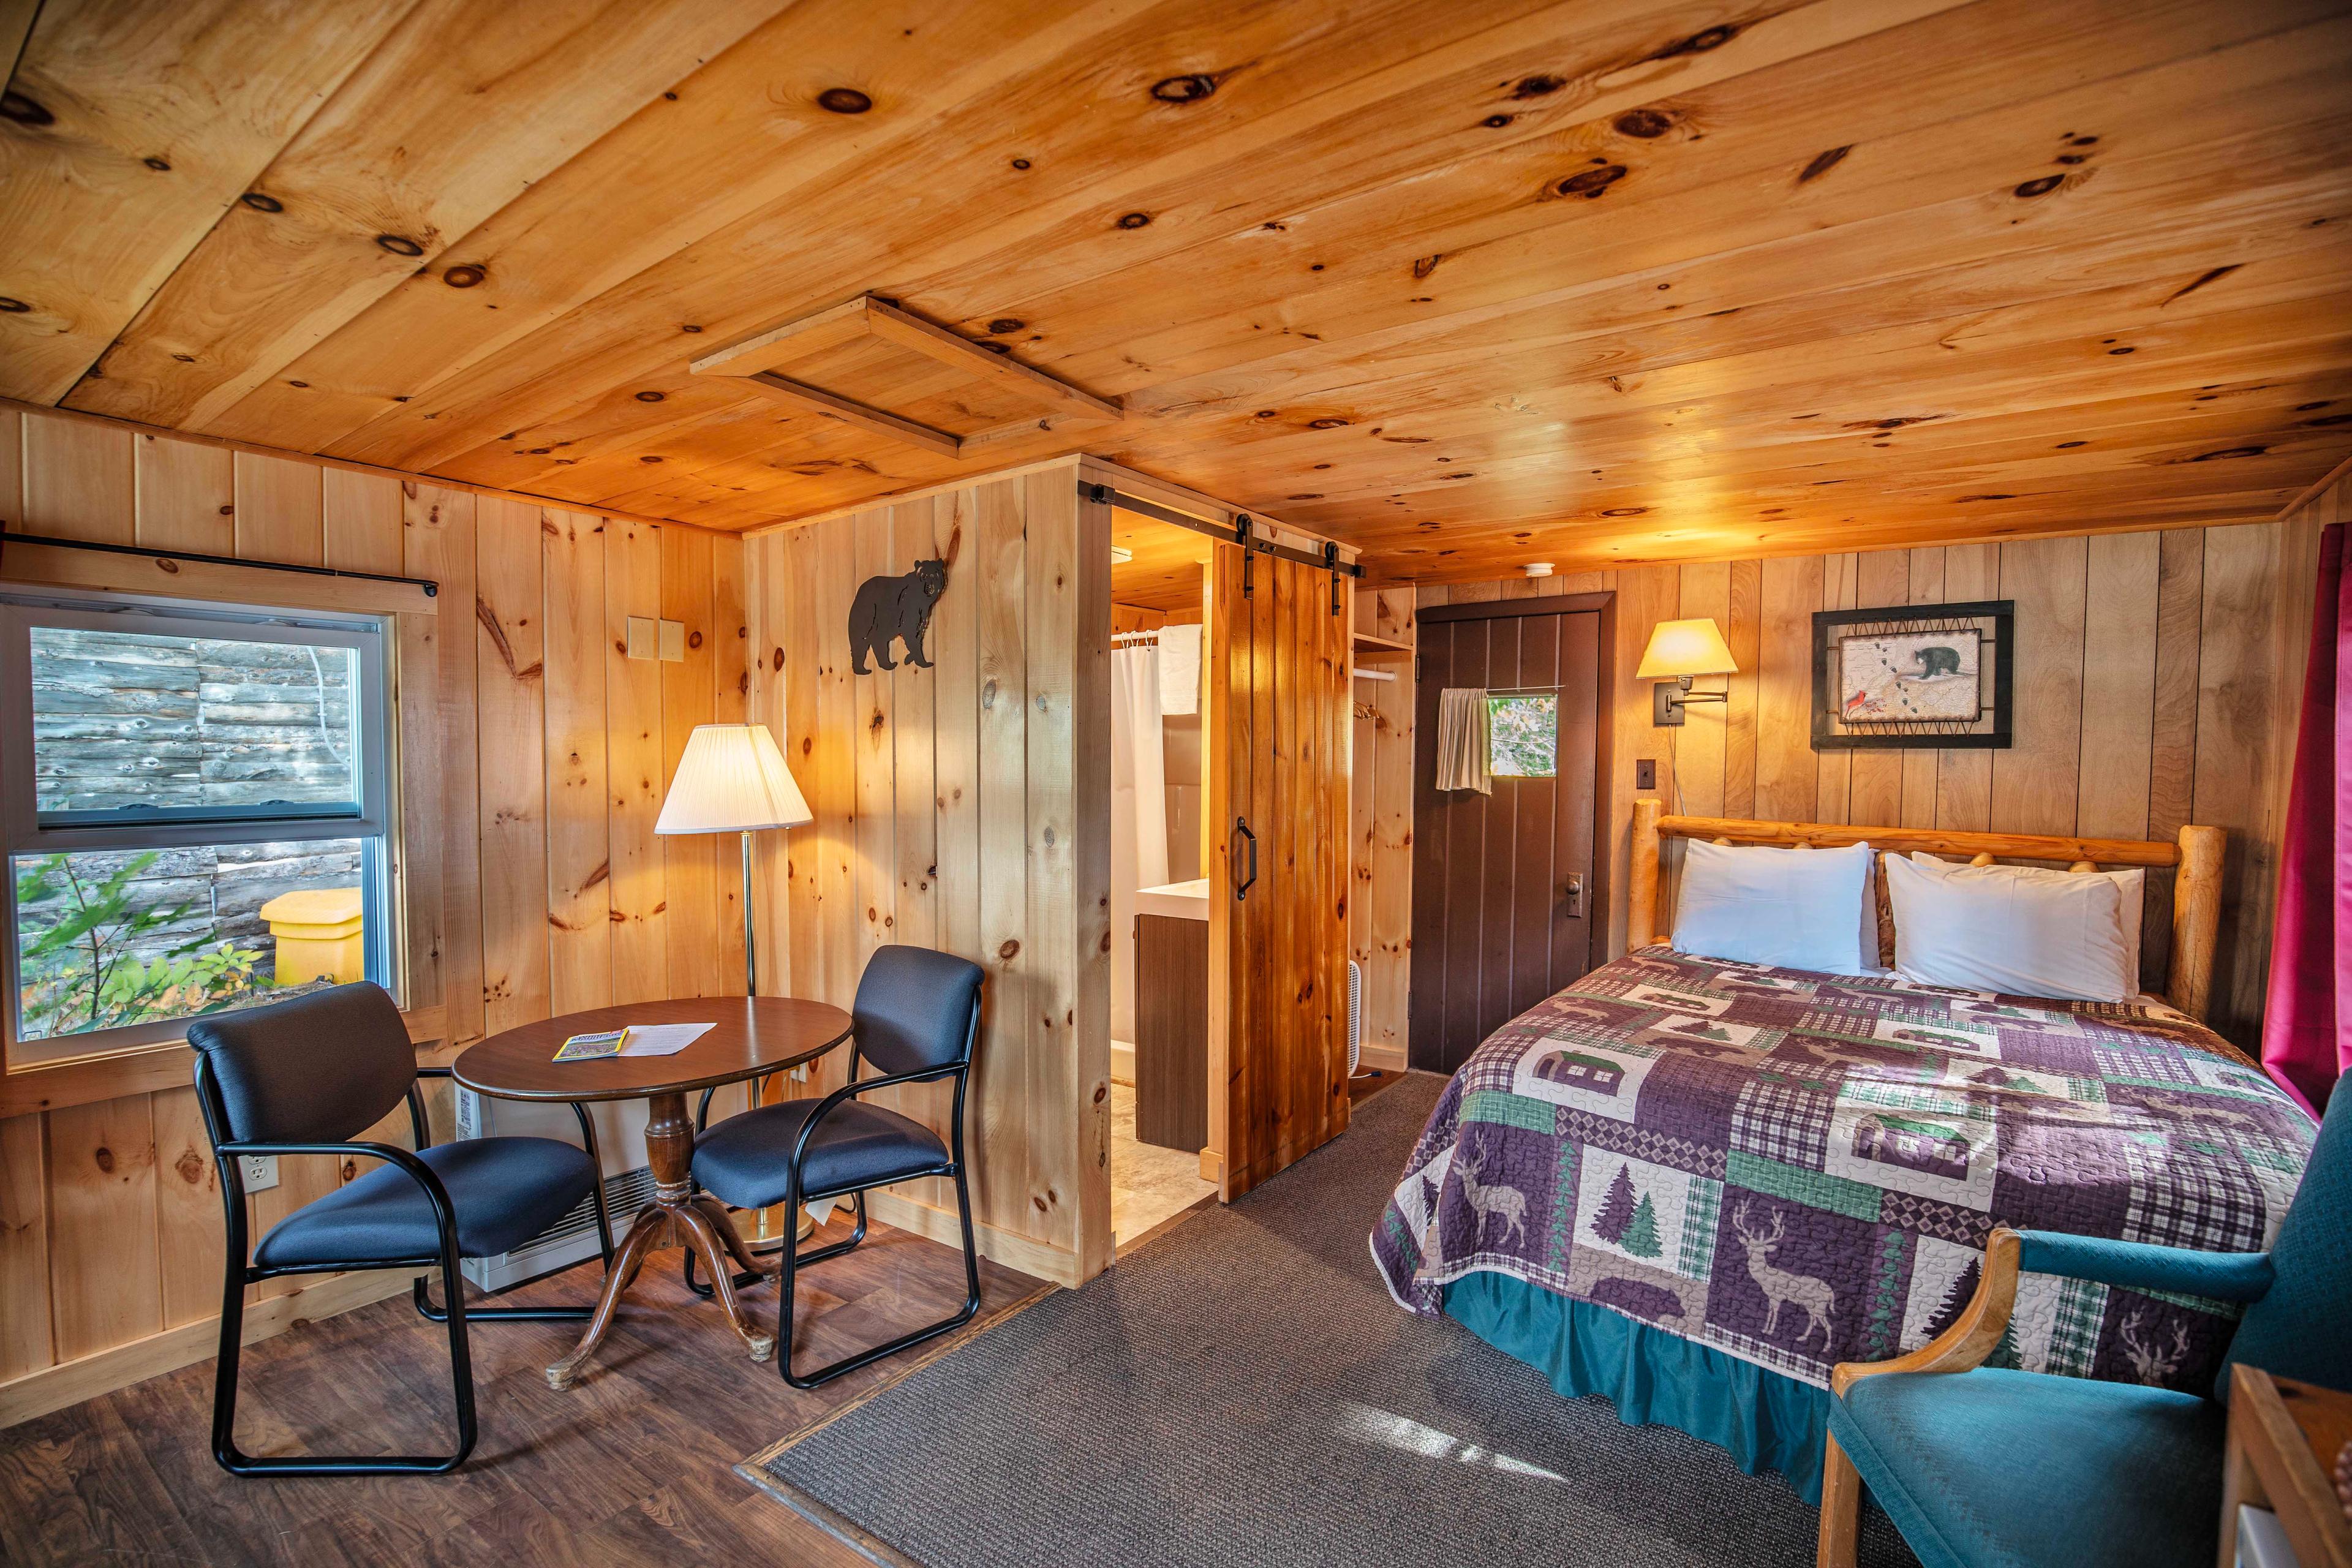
(1171,1015)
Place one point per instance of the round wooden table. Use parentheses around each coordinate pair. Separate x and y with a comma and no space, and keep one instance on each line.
(754,1035)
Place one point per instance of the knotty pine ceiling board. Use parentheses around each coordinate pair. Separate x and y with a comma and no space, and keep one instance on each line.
(1164,571)
(1596,281)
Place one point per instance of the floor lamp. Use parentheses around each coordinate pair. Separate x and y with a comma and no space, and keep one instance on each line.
(733,779)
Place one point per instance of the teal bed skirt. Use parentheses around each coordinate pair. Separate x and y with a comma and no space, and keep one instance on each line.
(1764,1420)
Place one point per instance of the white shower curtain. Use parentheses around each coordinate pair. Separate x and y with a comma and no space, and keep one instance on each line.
(1139,815)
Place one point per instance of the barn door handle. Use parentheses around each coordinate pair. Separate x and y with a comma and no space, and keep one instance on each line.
(1241,885)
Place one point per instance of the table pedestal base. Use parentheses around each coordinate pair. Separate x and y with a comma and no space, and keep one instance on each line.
(675,1217)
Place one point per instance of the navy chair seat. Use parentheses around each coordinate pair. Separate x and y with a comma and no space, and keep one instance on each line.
(2000,1467)
(503,1191)
(746,1159)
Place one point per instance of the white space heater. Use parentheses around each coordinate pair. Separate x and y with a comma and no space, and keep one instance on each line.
(620,1138)
(1355,1017)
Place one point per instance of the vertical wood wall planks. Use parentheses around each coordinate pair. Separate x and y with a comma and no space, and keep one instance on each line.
(1088,1039)
(1050,581)
(2236,749)
(103,1284)
(280,515)
(1927,577)
(1964,778)
(189,1236)
(730,686)
(2035,780)
(436,539)
(25,1318)
(1881,577)
(510,686)
(2119,644)
(186,497)
(687,698)
(78,481)
(360,521)
(634,771)
(1001,1077)
(1787,779)
(579,864)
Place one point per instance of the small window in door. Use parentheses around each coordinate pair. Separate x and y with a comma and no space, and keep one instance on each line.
(1523,736)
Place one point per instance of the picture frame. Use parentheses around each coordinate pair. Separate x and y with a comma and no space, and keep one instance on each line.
(1906,677)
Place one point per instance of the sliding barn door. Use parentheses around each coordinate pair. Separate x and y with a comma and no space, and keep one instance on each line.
(1280,728)
(1506,900)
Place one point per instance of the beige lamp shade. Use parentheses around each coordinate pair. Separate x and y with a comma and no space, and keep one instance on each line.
(733,779)
(1685,647)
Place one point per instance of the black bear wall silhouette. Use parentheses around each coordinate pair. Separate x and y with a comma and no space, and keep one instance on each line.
(893,607)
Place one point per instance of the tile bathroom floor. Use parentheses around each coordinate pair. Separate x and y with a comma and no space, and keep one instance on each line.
(1148,1183)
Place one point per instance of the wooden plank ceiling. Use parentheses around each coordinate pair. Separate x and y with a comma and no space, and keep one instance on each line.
(1464,285)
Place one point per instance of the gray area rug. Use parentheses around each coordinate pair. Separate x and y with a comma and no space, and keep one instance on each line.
(1242,1391)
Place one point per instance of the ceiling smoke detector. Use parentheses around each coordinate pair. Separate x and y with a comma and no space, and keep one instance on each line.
(1537,568)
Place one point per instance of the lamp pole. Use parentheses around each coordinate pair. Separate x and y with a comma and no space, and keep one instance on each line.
(750,953)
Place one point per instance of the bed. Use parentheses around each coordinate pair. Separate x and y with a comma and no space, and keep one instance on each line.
(1696,1186)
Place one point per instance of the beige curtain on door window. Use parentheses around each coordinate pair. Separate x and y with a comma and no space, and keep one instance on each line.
(1462,739)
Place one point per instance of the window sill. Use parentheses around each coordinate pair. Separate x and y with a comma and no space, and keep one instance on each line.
(143,1070)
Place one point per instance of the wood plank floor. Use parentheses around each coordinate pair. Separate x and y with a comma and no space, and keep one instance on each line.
(632,1466)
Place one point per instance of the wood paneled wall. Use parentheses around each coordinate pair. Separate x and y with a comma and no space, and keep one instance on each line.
(531,778)
(1380,905)
(965,807)
(2158,678)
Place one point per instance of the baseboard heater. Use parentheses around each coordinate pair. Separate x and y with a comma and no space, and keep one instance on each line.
(620,1131)
(1355,1017)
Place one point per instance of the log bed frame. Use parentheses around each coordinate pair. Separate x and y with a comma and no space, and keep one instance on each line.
(2195,855)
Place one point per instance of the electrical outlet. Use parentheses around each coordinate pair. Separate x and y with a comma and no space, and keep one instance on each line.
(260,1172)
(1646,774)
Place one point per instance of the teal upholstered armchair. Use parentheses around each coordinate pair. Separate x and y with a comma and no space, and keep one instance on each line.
(1982,1467)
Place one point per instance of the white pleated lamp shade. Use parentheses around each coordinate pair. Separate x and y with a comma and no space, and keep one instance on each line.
(733,779)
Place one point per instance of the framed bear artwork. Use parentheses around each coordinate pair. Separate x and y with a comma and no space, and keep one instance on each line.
(1913,675)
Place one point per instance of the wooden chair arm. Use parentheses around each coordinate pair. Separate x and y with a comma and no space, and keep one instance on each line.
(1964,1346)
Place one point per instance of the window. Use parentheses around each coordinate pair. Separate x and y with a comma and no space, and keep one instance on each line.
(1523,735)
(168,774)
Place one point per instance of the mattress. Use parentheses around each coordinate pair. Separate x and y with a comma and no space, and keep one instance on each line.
(1797,1169)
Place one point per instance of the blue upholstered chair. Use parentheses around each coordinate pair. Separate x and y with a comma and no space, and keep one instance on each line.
(917,1019)
(310,1075)
(1981,1468)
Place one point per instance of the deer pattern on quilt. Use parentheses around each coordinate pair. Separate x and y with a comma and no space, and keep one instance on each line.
(1800,1170)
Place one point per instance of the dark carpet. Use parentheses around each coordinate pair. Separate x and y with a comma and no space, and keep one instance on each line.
(1242,1391)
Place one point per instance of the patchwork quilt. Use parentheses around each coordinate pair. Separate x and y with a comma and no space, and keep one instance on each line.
(1802,1169)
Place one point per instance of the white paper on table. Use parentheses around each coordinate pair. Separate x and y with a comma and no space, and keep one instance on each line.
(663,1039)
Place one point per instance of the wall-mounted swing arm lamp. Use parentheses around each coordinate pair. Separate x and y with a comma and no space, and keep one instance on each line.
(1679,651)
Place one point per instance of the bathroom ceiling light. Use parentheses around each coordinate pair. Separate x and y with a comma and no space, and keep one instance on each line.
(1120,555)
(1537,568)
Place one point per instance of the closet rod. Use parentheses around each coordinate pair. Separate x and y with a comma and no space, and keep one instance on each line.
(432,589)
(1234,532)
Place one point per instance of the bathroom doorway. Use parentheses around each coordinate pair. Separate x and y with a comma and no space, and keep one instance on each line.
(1160,903)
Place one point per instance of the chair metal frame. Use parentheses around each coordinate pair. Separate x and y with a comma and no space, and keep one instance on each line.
(796,1194)
(240,1273)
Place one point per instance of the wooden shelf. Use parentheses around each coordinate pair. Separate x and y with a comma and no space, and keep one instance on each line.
(1368,647)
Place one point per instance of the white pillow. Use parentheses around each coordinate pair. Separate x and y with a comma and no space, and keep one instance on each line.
(1868,930)
(2131,893)
(1786,908)
(1985,927)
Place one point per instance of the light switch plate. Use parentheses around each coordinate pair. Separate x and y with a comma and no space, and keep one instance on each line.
(673,642)
(643,637)
(260,1172)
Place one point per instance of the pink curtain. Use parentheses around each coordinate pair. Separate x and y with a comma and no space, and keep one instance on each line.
(2307,1025)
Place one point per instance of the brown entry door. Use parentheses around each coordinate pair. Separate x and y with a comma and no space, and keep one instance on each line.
(1504,903)
(1279,729)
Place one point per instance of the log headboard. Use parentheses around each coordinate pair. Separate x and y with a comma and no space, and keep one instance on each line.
(2195,855)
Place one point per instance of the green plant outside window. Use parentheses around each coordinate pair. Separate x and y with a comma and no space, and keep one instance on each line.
(1523,736)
